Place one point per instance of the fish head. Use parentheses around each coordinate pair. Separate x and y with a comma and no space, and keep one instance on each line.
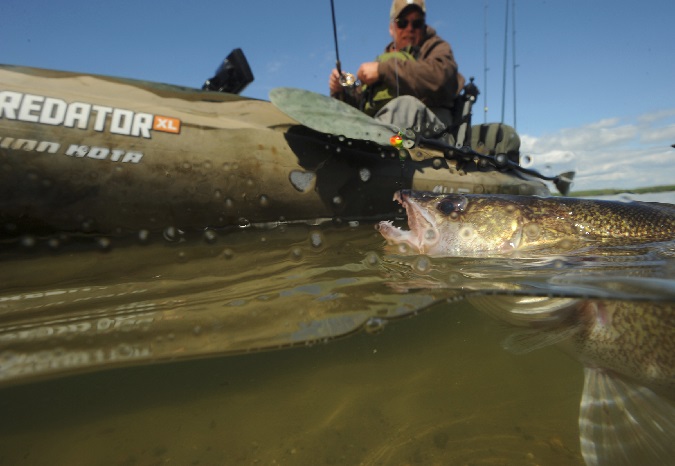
(456,224)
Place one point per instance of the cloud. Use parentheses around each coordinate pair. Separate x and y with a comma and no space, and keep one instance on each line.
(610,153)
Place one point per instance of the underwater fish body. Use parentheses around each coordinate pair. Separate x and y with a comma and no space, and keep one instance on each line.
(627,409)
(475,224)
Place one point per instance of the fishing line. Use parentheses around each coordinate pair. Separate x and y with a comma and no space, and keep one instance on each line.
(335,39)
(346,79)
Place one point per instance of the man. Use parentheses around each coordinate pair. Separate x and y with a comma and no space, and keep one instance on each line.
(415,82)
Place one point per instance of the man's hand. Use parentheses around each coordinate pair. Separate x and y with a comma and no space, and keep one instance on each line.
(369,72)
(334,82)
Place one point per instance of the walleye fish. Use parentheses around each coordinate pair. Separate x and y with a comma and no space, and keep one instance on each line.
(477,224)
(627,348)
(627,410)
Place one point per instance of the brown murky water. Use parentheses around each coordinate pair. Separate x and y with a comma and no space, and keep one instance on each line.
(125,353)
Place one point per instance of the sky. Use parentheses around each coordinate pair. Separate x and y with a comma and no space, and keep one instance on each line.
(594,79)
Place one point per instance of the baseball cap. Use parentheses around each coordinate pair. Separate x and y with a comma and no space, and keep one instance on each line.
(399,5)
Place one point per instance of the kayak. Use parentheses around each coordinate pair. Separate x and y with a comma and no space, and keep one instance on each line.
(100,154)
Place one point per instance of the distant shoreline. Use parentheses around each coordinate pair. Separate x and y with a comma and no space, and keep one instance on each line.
(611,191)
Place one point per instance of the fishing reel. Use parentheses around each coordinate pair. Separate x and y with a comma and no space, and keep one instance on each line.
(348,80)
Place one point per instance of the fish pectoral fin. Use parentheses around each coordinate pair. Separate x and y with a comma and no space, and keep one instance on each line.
(530,340)
(622,423)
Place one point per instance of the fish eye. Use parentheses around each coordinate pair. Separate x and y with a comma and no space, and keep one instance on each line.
(452,204)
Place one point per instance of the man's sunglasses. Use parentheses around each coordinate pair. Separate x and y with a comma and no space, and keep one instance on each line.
(403,23)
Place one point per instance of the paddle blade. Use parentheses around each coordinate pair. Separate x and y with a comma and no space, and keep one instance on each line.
(563,182)
(327,115)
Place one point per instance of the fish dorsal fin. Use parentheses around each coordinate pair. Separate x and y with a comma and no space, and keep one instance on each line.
(622,423)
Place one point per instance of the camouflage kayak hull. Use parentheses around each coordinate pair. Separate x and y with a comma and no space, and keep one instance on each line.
(90,153)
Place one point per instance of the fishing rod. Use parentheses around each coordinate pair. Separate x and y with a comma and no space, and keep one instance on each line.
(562,182)
(346,79)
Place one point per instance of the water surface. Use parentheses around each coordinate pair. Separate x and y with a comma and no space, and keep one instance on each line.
(300,344)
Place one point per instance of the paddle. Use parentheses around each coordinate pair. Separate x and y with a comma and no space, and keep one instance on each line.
(331,116)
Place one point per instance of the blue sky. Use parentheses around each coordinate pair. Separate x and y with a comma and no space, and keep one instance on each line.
(595,82)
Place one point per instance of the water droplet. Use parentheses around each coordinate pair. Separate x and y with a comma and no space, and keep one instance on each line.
(364,174)
(372,259)
(264,201)
(28,241)
(197,330)
(144,236)
(316,239)
(466,232)
(172,234)
(244,223)
(374,325)
(422,264)
(210,236)
(54,243)
(302,181)
(227,254)
(296,254)
(186,166)
(430,235)
(229,203)
(437,163)
(104,244)
(337,200)
(532,230)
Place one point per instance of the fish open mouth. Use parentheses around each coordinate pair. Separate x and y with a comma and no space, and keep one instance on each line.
(423,233)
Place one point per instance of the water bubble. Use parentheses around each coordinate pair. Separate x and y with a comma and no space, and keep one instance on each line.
(217,194)
(337,200)
(403,248)
(244,223)
(227,254)
(187,166)
(229,203)
(197,330)
(54,243)
(264,201)
(437,163)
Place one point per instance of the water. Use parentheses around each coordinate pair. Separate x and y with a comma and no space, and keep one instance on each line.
(301,344)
